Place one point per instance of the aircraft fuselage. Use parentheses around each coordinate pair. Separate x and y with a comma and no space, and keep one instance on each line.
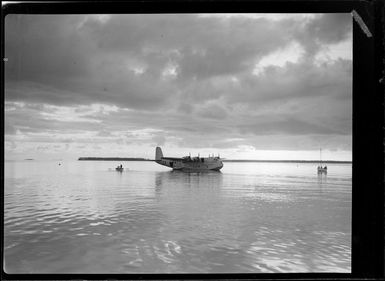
(189,163)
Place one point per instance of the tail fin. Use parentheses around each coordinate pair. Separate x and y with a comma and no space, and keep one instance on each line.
(158,153)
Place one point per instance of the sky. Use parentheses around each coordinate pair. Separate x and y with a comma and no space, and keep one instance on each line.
(244,86)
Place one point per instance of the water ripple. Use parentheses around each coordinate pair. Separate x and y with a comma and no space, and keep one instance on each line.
(148,221)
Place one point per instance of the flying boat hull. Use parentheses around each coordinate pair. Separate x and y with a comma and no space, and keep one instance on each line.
(188,164)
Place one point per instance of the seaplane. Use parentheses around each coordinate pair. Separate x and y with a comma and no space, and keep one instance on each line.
(188,163)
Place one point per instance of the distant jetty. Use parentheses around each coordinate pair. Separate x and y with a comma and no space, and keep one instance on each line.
(112,159)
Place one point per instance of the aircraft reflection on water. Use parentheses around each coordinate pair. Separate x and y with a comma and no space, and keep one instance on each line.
(188,163)
(192,179)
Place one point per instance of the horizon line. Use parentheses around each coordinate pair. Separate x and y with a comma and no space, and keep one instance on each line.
(224,160)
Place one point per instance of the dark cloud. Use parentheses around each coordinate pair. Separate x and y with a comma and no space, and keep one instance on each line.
(29,119)
(212,111)
(74,59)
(330,28)
(77,58)
(185,108)
(302,79)
(188,78)
(325,29)
(285,126)
(45,48)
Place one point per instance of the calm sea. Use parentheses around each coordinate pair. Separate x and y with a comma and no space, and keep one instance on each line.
(84,217)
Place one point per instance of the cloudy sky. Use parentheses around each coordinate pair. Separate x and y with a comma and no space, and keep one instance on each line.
(250,86)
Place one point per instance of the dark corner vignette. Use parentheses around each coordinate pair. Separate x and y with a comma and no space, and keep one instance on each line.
(367,257)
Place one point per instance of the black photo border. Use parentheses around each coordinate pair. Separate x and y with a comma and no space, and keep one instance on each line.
(368,120)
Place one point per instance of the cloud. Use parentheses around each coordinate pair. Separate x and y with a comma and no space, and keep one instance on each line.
(74,59)
(183,80)
(285,125)
(326,29)
(44,48)
(212,111)
(159,140)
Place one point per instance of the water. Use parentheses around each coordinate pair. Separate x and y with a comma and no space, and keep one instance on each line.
(84,217)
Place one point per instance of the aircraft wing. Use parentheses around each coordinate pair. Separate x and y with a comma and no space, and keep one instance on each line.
(171,158)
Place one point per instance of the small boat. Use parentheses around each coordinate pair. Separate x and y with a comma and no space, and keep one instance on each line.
(320,169)
(119,168)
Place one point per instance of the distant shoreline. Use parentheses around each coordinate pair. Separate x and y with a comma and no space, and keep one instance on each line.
(229,160)
(112,159)
(291,161)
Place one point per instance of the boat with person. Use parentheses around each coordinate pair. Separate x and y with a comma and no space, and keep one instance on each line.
(188,163)
(321,169)
(119,168)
